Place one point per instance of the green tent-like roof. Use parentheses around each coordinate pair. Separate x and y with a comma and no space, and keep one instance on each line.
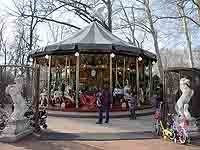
(93,39)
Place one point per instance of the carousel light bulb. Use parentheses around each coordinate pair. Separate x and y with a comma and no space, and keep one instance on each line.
(20,72)
(31,59)
(68,71)
(76,54)
(140,58)
(112,55)
(46,56)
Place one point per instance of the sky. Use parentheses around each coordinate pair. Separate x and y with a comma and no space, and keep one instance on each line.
(173,40)
(43,29)
(10,21)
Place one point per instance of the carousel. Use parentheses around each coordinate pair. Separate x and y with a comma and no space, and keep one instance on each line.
(72,70)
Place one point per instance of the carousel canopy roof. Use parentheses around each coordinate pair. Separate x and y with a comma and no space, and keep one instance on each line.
(93,39)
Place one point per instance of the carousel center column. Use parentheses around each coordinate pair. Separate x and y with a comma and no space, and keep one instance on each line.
(137,81)
(111,80)
(150,79)
(49,77)
(77,77)
(66,67)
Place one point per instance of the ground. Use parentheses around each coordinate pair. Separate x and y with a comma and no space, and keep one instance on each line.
(75,125)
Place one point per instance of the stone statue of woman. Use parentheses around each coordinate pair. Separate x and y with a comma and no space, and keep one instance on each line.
(182,103)
(20,107)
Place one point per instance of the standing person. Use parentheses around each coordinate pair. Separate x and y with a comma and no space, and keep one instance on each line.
(105,104)
(63,88)
(98,99)
(159,98)
(131,98)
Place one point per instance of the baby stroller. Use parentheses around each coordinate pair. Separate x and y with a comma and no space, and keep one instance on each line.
(3,121)
(42,115)
(4,116)
(42,119)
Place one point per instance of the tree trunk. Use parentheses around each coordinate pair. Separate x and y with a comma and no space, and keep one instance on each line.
(197,4)
(5,56)
(181,12)
(154,35)
(131,27)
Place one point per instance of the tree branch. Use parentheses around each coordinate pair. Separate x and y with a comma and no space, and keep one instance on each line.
(105,2)
(74,2)
(52,20)
(142,2)
(197,4)
(177,17)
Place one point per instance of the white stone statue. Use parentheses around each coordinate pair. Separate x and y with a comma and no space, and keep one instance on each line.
(182,103)
(118,91)
(44,99)
(126,88)
(20,107)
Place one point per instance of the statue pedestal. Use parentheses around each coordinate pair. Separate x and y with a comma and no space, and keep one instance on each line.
(15,130)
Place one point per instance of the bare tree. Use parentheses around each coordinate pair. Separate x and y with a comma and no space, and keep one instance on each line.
(108,4)
(185,5)
(32,12)
(5,51)
(28,23)
(185,16)
(58,32)
(135,26)
(3,46)
(150,25)
(181,12)
(82,9)
(197,4)
(131,25)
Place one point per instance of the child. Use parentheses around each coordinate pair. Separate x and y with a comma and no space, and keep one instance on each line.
(98,98)
(131,103)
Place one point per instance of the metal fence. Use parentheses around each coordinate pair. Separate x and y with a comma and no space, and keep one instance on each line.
(172,91)
(21,81)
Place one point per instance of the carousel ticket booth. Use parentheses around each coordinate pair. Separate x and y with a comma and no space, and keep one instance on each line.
(74,69)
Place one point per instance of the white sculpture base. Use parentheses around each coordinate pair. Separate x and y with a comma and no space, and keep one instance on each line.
(15,130)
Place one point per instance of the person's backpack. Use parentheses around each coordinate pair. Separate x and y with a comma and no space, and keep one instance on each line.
(99,103)
(98,98)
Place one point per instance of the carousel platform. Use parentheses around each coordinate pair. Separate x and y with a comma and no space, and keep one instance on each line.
(93,108)
(113,114)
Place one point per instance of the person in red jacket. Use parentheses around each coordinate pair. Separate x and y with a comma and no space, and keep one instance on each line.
(105,104)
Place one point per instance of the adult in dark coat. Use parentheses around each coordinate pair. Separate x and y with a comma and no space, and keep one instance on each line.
(105,104)
(159,97)
(63,88)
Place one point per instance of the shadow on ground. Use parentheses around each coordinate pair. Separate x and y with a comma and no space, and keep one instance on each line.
(195,140)
(33,143)
(107,136)
(59,141)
